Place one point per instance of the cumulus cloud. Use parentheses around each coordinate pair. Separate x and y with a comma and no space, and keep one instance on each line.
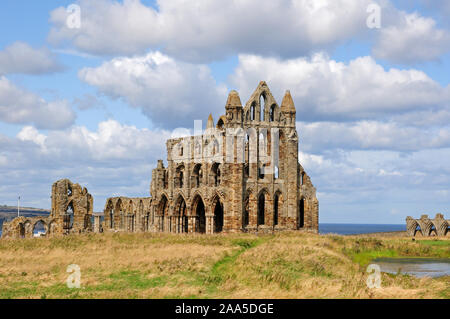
(21,58)
(205,30)
(413,39)
(20,106)
(363,186)
(104,160)
(324,89)
(319,137)
(110,142)
(169,92)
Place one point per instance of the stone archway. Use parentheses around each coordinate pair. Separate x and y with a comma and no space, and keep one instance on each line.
(39,228)
(69,218)
(163,209)
(301,213)
(200,214)
(218,215)
(261,209)
(181,218)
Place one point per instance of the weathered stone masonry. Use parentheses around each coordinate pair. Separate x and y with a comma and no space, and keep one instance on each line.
(71,213)
(214,181)
(206,188)
(439,226)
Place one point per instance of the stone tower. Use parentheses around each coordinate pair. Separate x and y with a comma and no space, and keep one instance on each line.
(241,174)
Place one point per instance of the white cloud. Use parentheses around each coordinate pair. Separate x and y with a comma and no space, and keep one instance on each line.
(29,133)
(324,89)
(23,107)
(169,92)
(20,57)
(319,137)
(412,40)
(105,160)
(205,30)
(110,142)
(365,186)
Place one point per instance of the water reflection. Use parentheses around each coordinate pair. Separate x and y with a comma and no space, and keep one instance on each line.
(419,267)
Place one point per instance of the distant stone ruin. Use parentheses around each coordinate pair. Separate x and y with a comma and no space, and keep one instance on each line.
(71,213)
(439,226)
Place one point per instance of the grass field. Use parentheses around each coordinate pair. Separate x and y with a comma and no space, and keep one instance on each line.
(288,265)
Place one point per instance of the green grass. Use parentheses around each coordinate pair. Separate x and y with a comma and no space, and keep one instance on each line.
(435,242)
(288,265)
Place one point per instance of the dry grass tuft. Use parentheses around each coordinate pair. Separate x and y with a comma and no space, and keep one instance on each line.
(288,265)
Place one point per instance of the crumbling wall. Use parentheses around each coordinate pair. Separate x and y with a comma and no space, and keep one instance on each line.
(71,213)
(74,205)
(127,214)
(439,226)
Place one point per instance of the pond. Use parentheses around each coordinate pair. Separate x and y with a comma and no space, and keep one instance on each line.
(419,267)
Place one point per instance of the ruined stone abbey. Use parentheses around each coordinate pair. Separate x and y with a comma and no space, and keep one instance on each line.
(241,174)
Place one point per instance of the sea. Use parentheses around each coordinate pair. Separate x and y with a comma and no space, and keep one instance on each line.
(353,229)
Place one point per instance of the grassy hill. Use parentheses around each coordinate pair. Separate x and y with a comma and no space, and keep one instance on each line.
(288,265)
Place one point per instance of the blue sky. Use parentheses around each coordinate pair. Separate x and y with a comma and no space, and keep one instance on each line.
(96,103)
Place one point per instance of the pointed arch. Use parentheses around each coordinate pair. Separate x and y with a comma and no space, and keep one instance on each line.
(221,123)
(69,215)
(180,214)
(217,209)
(253,111)
(301,213)
(262,207)
(216,174)
(163,205)
(179,176)
(199,211)
(197,175)
(163,211)
(272,112)
(262,106)
(277,205)
(39,223)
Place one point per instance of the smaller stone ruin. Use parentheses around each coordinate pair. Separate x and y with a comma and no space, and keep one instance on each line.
(439,226)
(72,212)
